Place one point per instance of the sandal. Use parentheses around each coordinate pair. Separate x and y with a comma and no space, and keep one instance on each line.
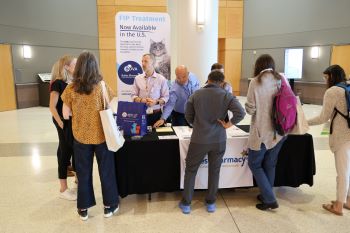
(330,208)
(344,206)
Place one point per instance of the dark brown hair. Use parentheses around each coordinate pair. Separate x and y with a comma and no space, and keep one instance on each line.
(217,66)
(263,64)
(216,76)
(86,73)
(336,75)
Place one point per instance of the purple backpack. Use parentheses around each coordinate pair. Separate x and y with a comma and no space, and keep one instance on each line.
(284,109)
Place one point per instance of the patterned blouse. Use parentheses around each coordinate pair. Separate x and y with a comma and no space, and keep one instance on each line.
(86,122)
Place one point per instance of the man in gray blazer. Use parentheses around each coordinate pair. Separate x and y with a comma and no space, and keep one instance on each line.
(206,110)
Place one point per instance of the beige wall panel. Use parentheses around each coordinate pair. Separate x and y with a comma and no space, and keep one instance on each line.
(235,4)
(222,23)
(233,43)
(221,51)
(233,68)
(106,23)
(341,56)
(7,87)
(222,3)
(141,2)
(106,43)
(222,44)
(234,22)
(221,57)
(108,68)
(141,8)
(105,2)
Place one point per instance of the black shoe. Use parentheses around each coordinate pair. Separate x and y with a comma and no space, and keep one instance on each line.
(109,211)
(83,214)
(260,198)
(265,206)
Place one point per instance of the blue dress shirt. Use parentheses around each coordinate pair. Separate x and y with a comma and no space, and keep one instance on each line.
(179,95)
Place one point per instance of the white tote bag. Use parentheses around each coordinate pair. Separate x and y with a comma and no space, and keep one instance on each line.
(301,126)
(114,139)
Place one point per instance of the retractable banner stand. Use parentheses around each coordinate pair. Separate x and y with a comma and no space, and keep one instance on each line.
(138,33)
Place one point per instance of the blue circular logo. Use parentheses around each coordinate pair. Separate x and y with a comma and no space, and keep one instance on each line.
(128,70)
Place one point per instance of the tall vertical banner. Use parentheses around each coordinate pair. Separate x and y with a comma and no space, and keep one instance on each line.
(138,33)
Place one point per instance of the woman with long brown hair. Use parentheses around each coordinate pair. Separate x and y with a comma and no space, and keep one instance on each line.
(84,99)
(263,143)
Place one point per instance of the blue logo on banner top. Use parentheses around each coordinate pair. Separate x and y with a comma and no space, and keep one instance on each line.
(128,70)
(231,161)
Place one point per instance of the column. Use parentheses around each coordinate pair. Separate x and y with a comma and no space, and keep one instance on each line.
(192,45)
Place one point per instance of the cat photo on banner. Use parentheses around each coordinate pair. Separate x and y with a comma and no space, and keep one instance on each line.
(161,58)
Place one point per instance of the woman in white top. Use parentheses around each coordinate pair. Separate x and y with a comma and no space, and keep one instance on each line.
(263,143)
(339,139)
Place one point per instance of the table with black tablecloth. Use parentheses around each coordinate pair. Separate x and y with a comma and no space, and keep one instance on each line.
(296,161)
(148,165)
(151,165)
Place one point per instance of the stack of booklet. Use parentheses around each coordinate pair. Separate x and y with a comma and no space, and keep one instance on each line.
(185,132)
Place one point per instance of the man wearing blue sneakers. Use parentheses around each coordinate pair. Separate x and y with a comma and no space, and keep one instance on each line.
(206,110)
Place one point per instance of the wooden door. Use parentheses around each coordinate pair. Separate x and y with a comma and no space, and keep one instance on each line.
(7,84)
(341,56)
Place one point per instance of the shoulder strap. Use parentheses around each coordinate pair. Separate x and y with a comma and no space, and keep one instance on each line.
(342,85)
(344,116)
(105,95)
(345,86)
(331,126)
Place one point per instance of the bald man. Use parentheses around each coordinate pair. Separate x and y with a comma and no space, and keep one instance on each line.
(186,83)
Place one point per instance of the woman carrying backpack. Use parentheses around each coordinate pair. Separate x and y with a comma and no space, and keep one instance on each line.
(264,143)
(339,139)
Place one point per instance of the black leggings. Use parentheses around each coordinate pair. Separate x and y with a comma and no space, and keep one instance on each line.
(64,152)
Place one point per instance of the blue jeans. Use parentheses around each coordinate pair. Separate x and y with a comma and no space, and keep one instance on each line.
(262,163)
(106,167)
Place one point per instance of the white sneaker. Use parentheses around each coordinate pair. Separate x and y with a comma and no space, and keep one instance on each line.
(68,195)
(74,186)
(74,191)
